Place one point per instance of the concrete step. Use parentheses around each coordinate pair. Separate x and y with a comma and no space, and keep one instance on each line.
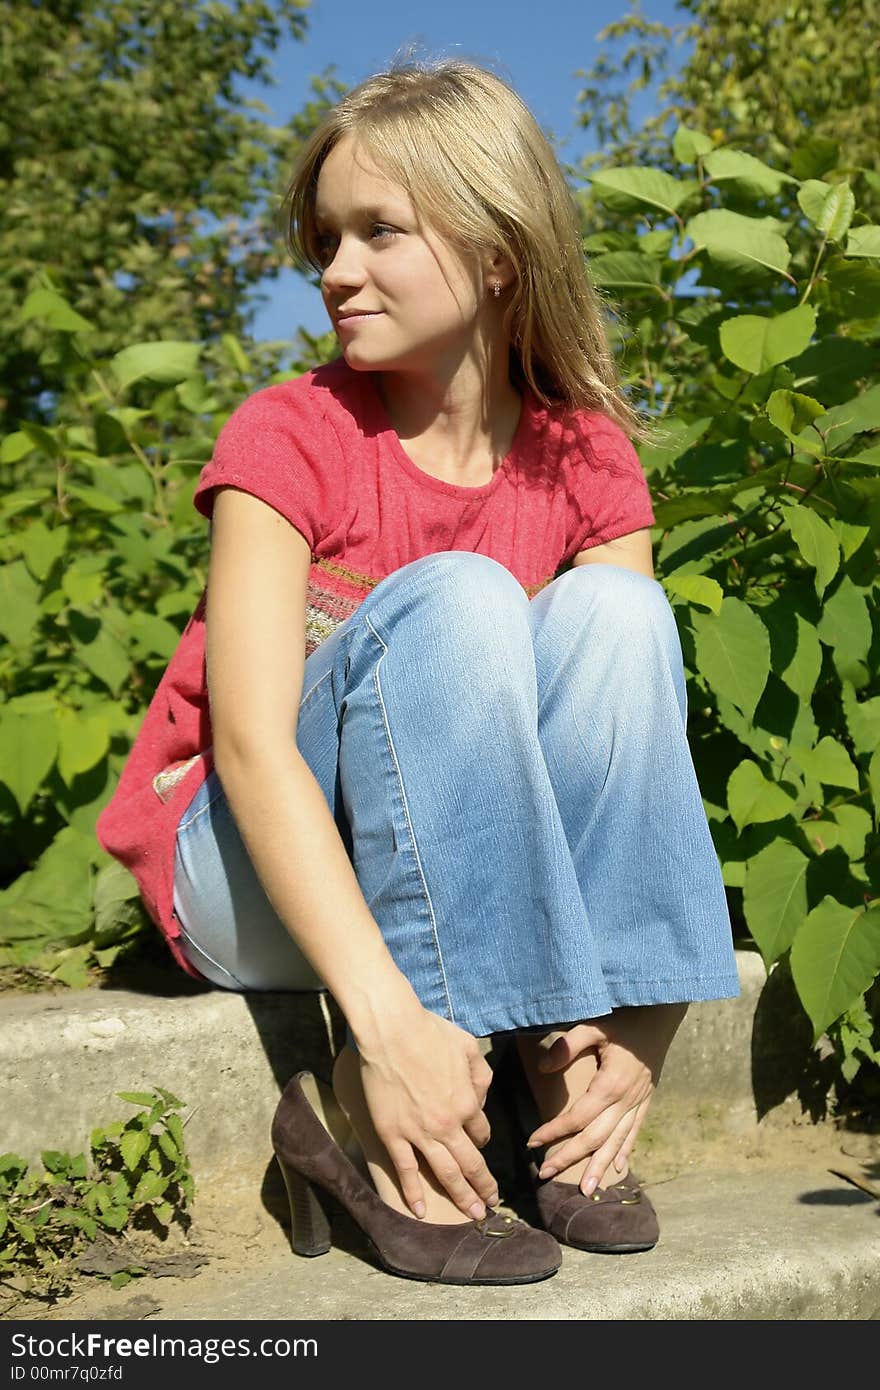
(754,1222)
(762,1244)
(64,1055)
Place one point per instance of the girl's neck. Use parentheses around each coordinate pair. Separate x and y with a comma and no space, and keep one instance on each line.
(465,433)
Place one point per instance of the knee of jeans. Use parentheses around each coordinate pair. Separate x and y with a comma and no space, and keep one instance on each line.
(470,594)
(480,586)
(631,604)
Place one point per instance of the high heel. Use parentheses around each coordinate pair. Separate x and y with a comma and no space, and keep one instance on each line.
(318,1173)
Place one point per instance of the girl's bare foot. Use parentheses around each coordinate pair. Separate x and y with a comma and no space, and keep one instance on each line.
(350,1094)
(554,1091)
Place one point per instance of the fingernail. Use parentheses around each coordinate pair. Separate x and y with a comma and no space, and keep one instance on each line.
(494,1199)
(477,1211)
(590,1186)
(419,1208)
(547,1171)
(533,1144)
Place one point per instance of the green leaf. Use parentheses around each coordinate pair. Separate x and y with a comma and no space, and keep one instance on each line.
(120,1279)
(855,826)
(756,343)
(802,671)
(28,745)
(19,603)
(106,658)
(849,535)
(740,244)
(165,362)
(151,1185)
(626,270)
(829,206)
(642,185)
(862,718)
(115,1218)
(828,762)
(775,897)
(49,306)
(696,588)
(816,542)
(792,412)
(83,740)
(834,959)
(845,626)
(168,1098)
(863,241)
(689,145)
(733,653)
(133,1145)
(169,1148)
(54,1161)
(755,178)
(874,783)
(236,354)
(16,446)
(752,799)
(136,1097)
(856,416)
(175,1129)
(41,547)
(93,498)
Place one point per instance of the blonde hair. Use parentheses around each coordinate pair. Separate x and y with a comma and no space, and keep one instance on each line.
(478,168)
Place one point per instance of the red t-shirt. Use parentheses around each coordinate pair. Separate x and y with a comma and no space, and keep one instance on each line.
(322,451)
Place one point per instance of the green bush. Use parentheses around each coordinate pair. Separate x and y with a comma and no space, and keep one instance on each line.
(766,499)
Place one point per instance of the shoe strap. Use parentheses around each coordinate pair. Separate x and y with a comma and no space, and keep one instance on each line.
(475,1244)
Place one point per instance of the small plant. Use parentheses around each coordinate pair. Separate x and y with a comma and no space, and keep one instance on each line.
(52,1223)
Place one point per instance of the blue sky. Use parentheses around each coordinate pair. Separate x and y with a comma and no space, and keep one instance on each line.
(360,39)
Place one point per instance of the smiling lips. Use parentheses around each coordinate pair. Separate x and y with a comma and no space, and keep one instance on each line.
(356,317)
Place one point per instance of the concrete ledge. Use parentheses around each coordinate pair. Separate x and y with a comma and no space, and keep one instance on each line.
(63,1056)
(772,1245)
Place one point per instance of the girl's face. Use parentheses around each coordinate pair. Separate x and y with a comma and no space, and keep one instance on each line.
(423,302)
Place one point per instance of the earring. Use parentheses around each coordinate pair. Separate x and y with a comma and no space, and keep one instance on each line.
(497,289)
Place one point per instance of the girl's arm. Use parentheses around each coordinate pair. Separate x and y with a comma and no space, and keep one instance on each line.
(425,1079)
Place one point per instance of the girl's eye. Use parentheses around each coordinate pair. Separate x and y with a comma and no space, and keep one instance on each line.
(380,227)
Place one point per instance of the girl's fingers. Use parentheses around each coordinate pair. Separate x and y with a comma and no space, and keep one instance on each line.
(471,1197)
(603,1156)
(403,1157)
(586,1142)
(630,1142)
(478,1129)
(572,1044)
(575,1118)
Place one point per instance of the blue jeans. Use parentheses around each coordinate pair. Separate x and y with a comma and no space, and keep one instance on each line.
(513,784)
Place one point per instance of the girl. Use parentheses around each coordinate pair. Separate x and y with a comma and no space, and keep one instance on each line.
(443,770)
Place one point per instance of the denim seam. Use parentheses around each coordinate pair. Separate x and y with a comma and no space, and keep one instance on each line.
(190,941)
(415,848)
(318,682)
(185,825)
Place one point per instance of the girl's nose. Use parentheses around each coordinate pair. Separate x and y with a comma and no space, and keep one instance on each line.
(342,268)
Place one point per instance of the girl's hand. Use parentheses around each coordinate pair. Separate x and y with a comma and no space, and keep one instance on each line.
(631,1045)
(425,1088)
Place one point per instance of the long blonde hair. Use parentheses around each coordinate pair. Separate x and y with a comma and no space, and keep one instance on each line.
(478,168)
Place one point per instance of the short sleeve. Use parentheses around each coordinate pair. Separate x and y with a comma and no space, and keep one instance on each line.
(607,491)
(279,446)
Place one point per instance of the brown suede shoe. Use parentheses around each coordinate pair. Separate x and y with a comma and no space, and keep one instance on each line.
(616,1220)
(496,1250)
